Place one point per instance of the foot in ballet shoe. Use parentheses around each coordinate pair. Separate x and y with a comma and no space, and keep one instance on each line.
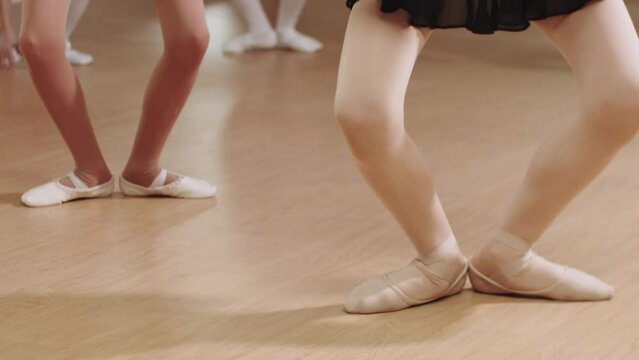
(182,187)
(296,41)
(56,193)
(250,41)
(76,57)
(415,284)
(428,278)
(497,270)
(16,57)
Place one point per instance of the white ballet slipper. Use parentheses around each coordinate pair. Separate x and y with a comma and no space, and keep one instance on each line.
(76,57)
(16,56)
(184,187)
(415,284)
(573,285)
(16,59)
(296,41)
(56,193)
(250,41)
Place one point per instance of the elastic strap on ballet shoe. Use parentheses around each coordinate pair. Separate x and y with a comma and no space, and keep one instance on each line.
(515,249)
(449,245)
(77,183)
(512,241)
(160,179)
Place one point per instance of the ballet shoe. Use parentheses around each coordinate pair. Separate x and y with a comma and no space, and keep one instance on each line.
(184,187)
(76,57)
(413,285)
(250,41)
(56,193)
(571,284)
(296,41)
(17,57)
(15,54)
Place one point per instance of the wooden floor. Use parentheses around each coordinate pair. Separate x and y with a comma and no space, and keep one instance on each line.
(261,273)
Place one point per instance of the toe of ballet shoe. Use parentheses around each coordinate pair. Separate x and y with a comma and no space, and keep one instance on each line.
(581,286)
(44,195)
(373,296)
(54,193)
(231,47)
(192,188)
(575,285)
(78,58)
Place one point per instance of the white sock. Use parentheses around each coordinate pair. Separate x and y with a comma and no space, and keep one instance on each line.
(260,35)
(438,274)
(287,19)
(253,12)
(77,8)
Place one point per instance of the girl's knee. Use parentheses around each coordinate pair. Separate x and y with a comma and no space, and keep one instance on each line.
(358,112)
(189,48)
(369,125)
(614,109)
(36,45)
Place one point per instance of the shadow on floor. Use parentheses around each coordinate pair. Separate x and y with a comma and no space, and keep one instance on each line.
(103,326)
(12,199)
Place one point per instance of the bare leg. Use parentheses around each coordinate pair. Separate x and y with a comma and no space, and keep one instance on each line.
(8,55)
(370,110)
(260,35)
(186,39)
(604,55)
(42,42)
(287,19)
(377,62)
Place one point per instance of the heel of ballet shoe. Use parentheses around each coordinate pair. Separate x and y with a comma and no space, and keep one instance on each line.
(128,188)
(482,286)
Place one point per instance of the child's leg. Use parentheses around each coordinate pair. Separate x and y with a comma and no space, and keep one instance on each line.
(604,55)
(377,61)
(76,12)
(287,19)
(8,56)
(42,42)
(260,35)
(186,39)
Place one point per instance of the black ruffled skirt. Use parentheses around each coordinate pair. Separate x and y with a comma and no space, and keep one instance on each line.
(479,16)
